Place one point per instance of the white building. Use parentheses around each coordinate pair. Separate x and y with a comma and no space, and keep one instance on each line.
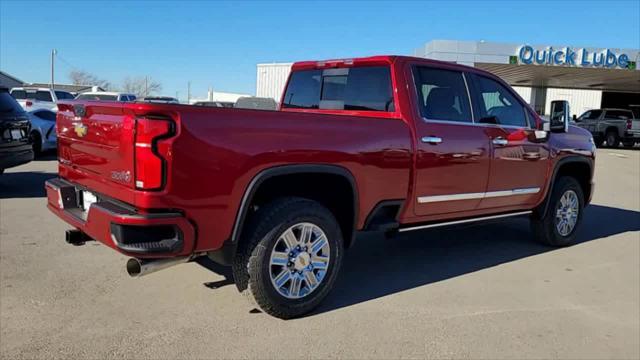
(588,78)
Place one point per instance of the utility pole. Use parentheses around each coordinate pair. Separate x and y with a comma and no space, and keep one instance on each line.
(53,53)
(146,86)
(189,92)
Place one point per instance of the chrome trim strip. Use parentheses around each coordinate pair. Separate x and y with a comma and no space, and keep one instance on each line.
(473,124)
(482,195)
(437,198)
(455,222)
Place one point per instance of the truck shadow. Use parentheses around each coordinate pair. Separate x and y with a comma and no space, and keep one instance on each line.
(27,184)
(377,267)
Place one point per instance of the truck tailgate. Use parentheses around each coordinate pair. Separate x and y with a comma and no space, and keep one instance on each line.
(96,144)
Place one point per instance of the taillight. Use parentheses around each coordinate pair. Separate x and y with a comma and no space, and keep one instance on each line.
(28,103)
(629,123)
(150,153)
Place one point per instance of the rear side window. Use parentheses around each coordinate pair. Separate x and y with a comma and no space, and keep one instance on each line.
(43,96)
(63,95)
(496,104)
(9,105)
(442,95)
(618,114)
(19,94)
(46,115)
(358,88)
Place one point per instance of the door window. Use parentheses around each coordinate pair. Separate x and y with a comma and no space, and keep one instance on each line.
(497,105)
(442,95)
(43,96)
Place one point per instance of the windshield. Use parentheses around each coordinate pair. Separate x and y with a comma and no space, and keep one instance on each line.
(103,97)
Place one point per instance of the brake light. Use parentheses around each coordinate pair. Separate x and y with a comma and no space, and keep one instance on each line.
(629,123)
(151,153)
(29,103)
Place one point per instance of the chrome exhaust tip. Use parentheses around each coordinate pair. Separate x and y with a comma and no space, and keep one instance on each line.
(138,267)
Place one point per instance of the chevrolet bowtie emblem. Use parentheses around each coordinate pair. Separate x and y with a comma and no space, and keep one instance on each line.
(80,129)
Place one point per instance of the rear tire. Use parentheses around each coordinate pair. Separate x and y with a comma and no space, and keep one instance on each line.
(564,214)
(628,144)
(36,142)
(275,258)
(612,139)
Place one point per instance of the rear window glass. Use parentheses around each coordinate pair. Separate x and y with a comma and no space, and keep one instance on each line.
(43,96)
(9,105)
(19,94)
(303,91)
(97,97)
(359,88)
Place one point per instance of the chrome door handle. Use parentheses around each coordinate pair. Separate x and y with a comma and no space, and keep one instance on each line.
(500,141)
(433,140)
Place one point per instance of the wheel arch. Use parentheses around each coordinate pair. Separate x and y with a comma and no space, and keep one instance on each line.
(579,167)
(285,172)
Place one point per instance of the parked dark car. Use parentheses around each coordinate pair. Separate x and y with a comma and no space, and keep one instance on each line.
(15,147)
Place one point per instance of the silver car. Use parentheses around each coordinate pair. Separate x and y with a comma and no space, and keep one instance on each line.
(43,130)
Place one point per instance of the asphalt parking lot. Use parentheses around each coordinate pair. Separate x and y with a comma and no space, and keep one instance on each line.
(483,291)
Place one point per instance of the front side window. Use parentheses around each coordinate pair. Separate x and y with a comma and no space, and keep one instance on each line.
(442,94)
(366,88)
(496,104)
(591,115)
(43,96)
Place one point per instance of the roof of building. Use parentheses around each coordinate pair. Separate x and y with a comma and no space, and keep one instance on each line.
(11,77)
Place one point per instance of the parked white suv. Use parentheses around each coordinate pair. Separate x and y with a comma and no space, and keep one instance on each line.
(39,98)
(106,96)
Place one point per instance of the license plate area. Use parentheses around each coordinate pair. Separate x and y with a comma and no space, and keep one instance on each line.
(87,198)
(16,134)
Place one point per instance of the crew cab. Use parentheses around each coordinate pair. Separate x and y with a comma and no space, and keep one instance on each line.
(611,126)
(385,143)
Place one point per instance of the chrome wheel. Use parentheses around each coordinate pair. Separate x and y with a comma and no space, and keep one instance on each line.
(299,260)
(567,213)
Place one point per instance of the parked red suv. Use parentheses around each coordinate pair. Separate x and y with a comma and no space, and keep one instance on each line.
(385,143)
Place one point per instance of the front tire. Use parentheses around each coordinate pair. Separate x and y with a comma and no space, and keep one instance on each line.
(289,256)
(564,213)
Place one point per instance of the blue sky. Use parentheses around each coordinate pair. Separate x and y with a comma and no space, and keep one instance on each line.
(218,44)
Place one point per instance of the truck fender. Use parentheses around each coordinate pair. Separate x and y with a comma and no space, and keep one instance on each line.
(542,209)
(265,174)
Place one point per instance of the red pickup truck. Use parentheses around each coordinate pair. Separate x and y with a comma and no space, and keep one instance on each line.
(384,143)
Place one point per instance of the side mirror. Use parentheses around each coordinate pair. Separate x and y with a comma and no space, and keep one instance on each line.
(560,115)
(575,118)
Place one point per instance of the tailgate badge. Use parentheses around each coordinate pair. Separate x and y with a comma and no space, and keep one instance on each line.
(122,176)
(80,129)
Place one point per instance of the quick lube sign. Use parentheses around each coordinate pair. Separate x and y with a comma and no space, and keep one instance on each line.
(567,56)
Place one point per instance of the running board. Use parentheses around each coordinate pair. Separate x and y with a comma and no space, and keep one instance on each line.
(464,221)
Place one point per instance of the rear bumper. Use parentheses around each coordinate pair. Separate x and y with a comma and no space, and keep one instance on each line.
(14,156)
(632,134)
(120,226)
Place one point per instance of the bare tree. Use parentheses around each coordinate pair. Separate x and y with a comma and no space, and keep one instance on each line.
(79,77)
(141,86)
